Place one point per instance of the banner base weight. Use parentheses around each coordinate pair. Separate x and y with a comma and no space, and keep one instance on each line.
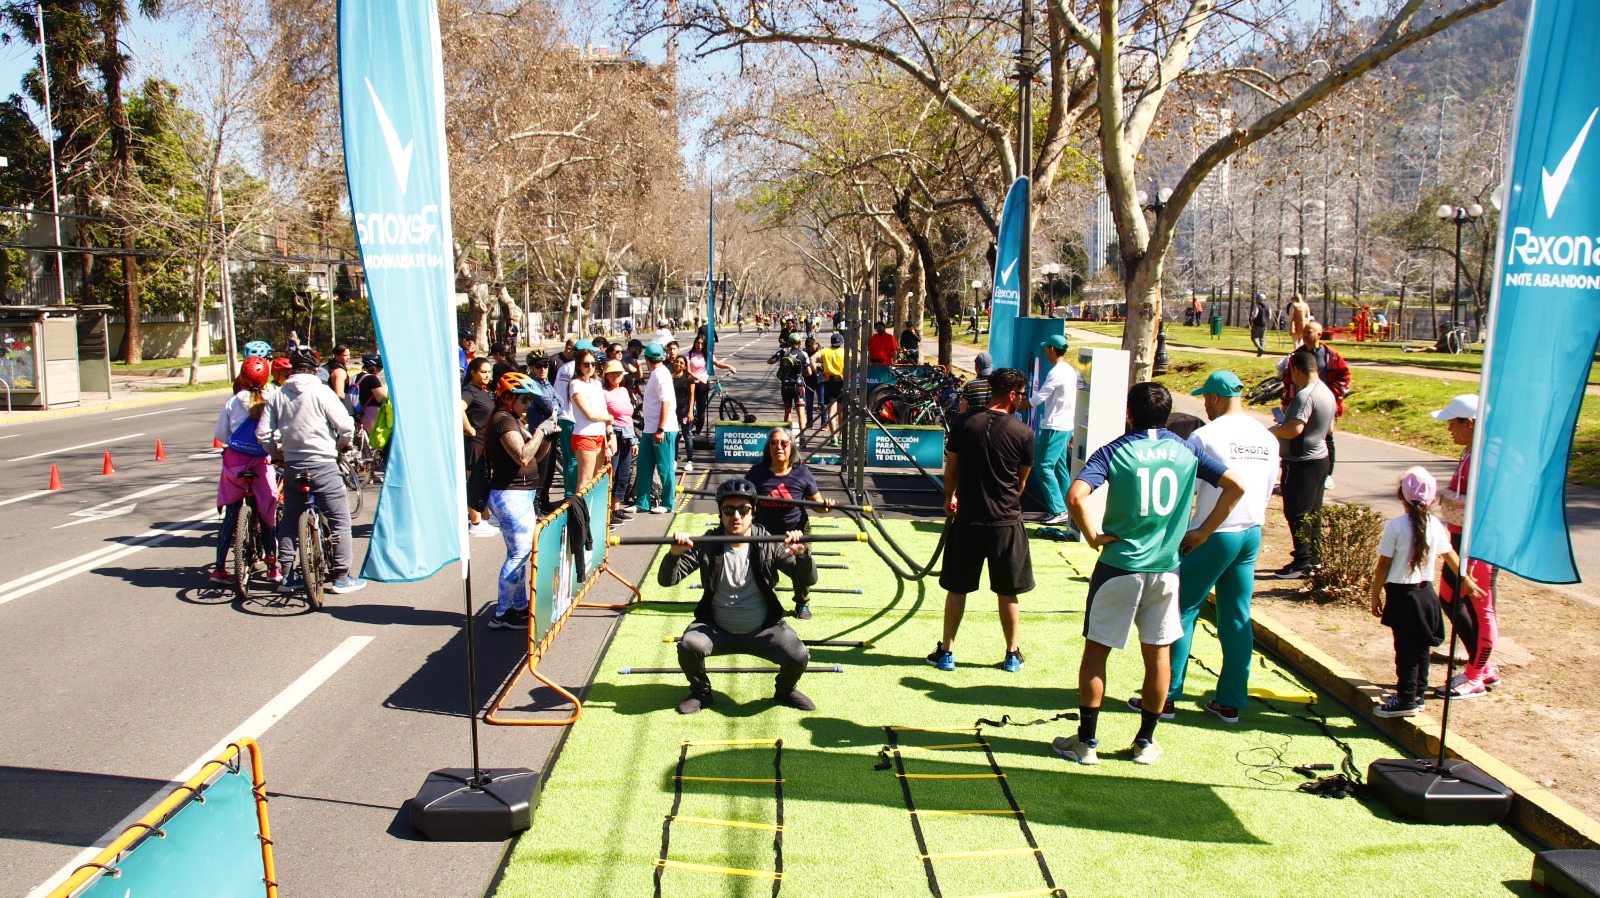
(449,808)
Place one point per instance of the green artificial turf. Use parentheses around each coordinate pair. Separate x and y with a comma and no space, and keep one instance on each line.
(1199,823)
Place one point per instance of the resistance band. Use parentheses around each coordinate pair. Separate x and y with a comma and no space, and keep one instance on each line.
(815,668)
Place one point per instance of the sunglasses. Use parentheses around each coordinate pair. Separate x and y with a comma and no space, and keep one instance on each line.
(729,511)
(586,364)
(784,443)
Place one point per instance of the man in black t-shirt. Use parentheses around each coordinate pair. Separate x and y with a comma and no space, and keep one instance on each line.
(988,455)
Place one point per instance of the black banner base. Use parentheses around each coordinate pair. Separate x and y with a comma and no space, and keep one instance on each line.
(1571,873)
(448,808)
(1454,793)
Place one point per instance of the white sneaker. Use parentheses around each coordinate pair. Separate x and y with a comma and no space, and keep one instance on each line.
(1146,753)
(688,467)
(1062,518)
(1327,482)
(346,584)
(660,509)
(483,528)
(1074,749)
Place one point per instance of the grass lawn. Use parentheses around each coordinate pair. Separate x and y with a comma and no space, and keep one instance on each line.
(153,364)
(204,386)
(1200,823)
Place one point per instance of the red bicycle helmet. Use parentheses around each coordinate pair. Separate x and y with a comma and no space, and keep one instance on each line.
(255,372)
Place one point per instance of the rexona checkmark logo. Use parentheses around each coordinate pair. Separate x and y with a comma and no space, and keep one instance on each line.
(1005,276)
(399,156)
(1556,184)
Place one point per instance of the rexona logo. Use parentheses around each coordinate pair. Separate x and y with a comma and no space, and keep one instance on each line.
(1530,249)
(379,230)
(1004,293)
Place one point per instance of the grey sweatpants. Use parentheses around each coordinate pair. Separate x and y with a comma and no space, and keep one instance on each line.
(778,643)
(329,489)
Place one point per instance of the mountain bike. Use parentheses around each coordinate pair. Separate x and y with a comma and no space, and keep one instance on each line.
(251,547)
(314,544)
(1268,390)
(353,473)
(728,408)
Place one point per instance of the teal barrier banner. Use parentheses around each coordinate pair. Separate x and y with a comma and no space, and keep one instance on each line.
(925,444)
(211,850)
(742,443)
(549,551)
(598,501)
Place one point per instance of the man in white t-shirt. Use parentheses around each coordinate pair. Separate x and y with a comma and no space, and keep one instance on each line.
(658,440)
(1057,402)
(1227,559)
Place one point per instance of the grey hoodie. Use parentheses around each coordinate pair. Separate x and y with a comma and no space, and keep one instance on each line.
(305,422)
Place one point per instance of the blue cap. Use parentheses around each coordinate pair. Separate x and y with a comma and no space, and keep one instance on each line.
(1220,383)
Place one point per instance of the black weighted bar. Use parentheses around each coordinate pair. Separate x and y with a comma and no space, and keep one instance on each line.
(786,500)
(722,539)
(815,590)
(827,643)
(815,668)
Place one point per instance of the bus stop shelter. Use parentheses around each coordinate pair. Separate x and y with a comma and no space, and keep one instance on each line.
(51,356)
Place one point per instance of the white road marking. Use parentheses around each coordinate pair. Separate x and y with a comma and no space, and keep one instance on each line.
(148,414)
(107,509)
(209,453)
(10,436)
(71,448)
(254,727)
(54,574)
(24,497)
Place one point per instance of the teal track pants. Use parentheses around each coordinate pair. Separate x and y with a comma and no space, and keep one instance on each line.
(1226,561)
(656,459)
(1053,466)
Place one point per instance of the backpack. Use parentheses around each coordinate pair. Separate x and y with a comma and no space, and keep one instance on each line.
(383,426)
(791,366)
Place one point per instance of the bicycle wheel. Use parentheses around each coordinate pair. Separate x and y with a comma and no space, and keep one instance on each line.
(244,550)
(1265,391)
(731,410)
(351,475)
(310,559)
(1454,341)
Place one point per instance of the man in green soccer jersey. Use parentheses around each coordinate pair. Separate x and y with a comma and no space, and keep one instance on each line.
(1149,474)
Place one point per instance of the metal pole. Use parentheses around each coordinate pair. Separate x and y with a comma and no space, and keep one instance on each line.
(1455,298)
(50,128)
(229,340)
(1026,68)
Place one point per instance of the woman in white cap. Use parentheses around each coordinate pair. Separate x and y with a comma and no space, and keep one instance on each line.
(619,402)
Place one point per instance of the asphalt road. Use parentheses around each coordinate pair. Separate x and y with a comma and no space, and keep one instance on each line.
(124,670)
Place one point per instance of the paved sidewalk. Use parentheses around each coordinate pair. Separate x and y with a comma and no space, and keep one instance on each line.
(126,391)
(1367,471)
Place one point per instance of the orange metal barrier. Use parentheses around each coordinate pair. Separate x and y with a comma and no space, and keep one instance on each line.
(537,649)
(105,862)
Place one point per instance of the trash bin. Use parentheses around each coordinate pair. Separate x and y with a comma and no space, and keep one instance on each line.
(1216,324)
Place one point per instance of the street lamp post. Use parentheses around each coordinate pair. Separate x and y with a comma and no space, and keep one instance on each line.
(1153,204)
(1459,215)
(1050,271)
(1296,255)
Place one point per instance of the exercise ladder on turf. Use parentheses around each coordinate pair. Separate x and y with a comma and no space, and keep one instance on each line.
(663,863)
(995,773)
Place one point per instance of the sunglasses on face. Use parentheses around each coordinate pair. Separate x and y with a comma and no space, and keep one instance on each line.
(781,444)
(586,364)
(729,511)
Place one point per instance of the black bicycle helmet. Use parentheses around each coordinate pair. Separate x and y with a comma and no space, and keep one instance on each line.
(304,360)
(736,488)
(372,360)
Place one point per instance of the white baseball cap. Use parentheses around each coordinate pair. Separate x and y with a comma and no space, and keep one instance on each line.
(1463,406)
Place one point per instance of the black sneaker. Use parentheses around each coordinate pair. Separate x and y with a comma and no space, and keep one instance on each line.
(1291,572)
(794,699)
(515,619)
(802,611)
(695,702)
(1169,711)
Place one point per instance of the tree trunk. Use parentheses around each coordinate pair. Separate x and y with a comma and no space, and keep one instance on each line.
(1143,294)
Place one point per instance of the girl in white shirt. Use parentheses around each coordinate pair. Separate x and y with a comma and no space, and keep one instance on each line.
(1403,594)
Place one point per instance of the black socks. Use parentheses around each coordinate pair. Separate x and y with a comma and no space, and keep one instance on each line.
(1088,719)
(1147,725)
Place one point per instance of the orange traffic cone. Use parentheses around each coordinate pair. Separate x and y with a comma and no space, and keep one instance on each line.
(161,453)
(55,478)
(216,443)
(106,470)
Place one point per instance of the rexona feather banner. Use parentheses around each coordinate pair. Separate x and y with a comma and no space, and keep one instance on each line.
(1006,291)
(1545,306)
(391,96)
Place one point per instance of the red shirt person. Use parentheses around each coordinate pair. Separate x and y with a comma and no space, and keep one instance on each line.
(882,346)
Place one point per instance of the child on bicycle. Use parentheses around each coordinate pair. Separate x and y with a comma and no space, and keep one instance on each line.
(245,470)
(1403,595)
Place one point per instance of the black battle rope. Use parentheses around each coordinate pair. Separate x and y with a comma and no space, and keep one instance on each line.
(1348,780)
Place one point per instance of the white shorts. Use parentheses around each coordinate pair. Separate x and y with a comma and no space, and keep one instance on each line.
(1120,599)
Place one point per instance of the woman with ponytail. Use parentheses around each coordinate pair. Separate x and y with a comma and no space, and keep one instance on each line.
(1403,594)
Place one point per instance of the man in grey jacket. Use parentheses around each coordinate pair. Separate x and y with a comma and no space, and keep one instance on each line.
(306,426)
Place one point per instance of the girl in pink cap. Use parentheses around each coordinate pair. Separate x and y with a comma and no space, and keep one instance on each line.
(1403,594)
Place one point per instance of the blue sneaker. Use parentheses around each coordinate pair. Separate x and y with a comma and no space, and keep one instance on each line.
(941,658)
(1013,662)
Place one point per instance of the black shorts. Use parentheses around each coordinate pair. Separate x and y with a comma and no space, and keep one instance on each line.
(831,390)
(478,485)
(1004,547)
(793,394)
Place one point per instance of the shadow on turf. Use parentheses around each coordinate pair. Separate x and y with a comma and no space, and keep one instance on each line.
(1069,797)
